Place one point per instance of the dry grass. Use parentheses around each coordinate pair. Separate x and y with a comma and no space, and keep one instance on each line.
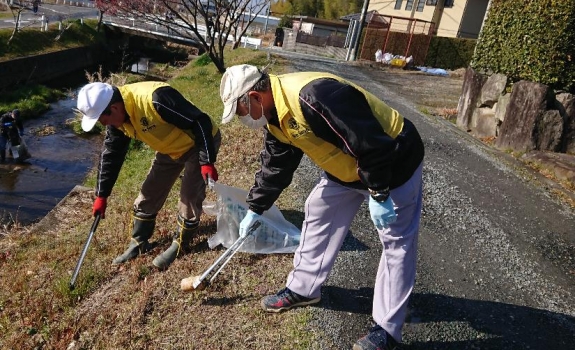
(135,306)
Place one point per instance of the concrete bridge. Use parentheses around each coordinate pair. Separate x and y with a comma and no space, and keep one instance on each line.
(175,33)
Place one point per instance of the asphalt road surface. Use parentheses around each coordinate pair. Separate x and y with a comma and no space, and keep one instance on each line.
(54,13)
(496,267)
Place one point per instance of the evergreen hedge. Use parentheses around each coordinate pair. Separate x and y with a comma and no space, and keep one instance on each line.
(450,53)
(529,40)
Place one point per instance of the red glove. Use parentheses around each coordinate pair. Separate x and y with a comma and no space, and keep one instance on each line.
(99,206)
(209,171)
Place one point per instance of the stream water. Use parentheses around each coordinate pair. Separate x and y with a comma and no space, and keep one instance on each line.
(60,160)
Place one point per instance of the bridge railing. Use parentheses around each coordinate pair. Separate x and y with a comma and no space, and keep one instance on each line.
(151,27)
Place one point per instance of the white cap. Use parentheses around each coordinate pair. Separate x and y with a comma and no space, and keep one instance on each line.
(237,80)
(93,99)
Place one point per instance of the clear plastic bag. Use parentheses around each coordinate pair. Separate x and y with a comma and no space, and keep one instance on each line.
(19,152)
(275,235)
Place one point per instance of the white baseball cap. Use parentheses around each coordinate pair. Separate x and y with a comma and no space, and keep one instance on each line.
(93,99)
(236,81)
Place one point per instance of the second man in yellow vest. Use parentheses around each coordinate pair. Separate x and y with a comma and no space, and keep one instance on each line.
(183,137)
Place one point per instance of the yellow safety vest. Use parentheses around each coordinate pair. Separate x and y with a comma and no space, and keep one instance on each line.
(145,123)
(295,130)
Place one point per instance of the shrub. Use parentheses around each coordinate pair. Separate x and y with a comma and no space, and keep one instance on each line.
(450,53)
(530,40)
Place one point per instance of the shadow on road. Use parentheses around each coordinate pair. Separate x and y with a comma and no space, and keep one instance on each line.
(501,325)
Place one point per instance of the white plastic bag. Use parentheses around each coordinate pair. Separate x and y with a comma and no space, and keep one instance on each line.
(275,235)
(387,57)
(378,56)
(19,152)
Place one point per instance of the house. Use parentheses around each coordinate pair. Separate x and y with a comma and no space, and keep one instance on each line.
(451,18)
(319,27)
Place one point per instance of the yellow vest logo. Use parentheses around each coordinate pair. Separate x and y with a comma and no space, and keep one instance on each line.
(297,130)
(146,125)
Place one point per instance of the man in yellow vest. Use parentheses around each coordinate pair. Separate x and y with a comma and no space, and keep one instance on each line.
(184,138)
(367,151)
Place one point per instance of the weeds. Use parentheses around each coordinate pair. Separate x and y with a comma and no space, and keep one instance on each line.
(424,110)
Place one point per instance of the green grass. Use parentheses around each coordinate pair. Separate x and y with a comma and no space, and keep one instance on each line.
(29,41)
(31,100)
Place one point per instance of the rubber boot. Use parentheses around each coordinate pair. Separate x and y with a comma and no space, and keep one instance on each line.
(182,238)
(2,156)
(143,227)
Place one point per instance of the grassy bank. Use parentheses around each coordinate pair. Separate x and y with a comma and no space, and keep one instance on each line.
(33,99)
(33,41)
(135,306)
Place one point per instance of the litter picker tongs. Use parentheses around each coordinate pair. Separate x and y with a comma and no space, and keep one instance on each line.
(202,281)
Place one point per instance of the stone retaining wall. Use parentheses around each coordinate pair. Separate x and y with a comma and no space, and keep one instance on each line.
(529,117)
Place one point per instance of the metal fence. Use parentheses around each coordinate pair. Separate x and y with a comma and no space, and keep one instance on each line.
(332,40)
(398,36)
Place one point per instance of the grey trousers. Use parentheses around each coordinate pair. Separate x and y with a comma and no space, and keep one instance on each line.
(161,178)
(329,211)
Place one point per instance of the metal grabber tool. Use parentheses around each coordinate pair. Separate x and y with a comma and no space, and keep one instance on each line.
(202,281)
(84,251)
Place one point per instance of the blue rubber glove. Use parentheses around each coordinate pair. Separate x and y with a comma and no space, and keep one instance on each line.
(21,133)
(382,213)
(247,221)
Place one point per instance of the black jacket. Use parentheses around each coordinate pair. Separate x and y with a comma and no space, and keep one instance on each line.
(346,120)
(9,127)
(172,108)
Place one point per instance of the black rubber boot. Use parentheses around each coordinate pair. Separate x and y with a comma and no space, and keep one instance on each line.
(2,156)
(143,228)
(182,238)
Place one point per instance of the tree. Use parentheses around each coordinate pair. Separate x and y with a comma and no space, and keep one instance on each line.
(209,22)
(16,7)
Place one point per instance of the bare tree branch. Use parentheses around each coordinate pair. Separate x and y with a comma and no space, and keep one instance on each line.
(17,7)
(210,23)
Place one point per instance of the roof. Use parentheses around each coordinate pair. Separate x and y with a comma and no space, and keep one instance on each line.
(321,21)
(368,17)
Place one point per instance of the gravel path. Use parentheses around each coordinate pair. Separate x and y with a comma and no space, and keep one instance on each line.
(496,266)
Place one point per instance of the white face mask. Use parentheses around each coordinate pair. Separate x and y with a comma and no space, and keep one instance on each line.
(251,123)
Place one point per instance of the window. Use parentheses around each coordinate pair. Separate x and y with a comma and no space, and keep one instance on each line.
(447,3)
(409,5)
(398,4)
(420,5)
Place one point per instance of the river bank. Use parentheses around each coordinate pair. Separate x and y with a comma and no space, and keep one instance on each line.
(60,160)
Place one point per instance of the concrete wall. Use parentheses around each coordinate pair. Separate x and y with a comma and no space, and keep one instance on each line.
(42,68)
(387,8)
(473,19)
(290,44)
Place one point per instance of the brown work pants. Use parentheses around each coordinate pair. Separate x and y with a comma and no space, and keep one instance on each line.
(161,178)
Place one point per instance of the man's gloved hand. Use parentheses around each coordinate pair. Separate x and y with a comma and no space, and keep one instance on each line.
(99,206)
(382,213)
(247,221)
(209,170)
(21,133)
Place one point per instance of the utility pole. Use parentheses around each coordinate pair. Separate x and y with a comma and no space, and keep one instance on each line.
(267,17)
(357,35)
